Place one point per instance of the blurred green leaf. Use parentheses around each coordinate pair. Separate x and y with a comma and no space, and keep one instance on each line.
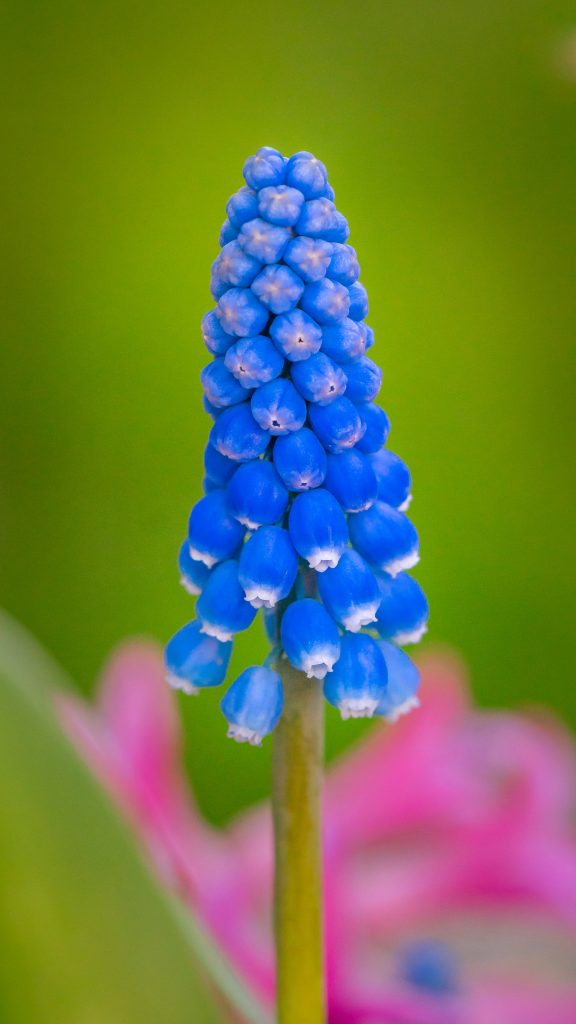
(86,936)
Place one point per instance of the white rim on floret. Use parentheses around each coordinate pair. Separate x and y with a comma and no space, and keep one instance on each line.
(402,709)
(177,683)
(242,734)
(412,636)
(218,632)
(190,586)
(402,564)
(202,556)
(247,523)
(317,665)
(357,707)
(324,558)
(261,597)
(361,616)
(405,504)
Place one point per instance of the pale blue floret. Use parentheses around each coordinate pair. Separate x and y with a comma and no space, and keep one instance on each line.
(358,681)
(343,341)
(358,301)
(337,425)
(266,167)
(319,379)
(213,532)
(321,219)
(368,337)
(430,965)
(242,206)
(194,660)
(280,205)
(326,301)
(306,173)
(227,233)
(296,335)
(403,681)
(309,257)
(254,361)
(318,529)
(222,607)
(253,705)
(214,336)
(193,574)
(278,408)
(256,494)
(351,479)
(385,538)
(278,288)
(234,267)
(237,435)
(240,313)
(343,266)
(268,567)
(310,638)
(394,480)
(300,460)
(376,427)
(218,287)
(350,592)
(403,612)
(364,380)
(218,468)
(266,242)
(220,386)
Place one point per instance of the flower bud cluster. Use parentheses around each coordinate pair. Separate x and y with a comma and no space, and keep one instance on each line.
(303,513)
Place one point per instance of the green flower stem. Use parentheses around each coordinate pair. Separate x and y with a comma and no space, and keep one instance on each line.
(296,796)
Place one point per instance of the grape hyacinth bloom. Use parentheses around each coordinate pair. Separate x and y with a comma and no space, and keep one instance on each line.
(303,514)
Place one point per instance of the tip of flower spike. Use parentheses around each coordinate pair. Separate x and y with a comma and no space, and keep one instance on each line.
(403,564)
(242,734)
(402,709)
(176,683)
(414,636)
(357,707)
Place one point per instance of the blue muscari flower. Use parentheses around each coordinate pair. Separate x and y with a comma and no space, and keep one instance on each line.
(195,660)
(318,378)
(268,567)
(403,612)
(303,509)
(350,591)
(430,966)
(256,494)
(278,288)
(254,361)
(278,408)
(253,704)
(403,681)
(318,529)
(352,480)
(359,679)
(310,638)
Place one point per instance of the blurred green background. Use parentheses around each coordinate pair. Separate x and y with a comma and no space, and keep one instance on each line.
(448,132)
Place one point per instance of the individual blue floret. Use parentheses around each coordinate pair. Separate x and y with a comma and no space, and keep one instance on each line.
(319,379)
(266,167)
(280,205)
(219,386)
(236,434)
(278,408)
(266,242)
(194,660)
(193,574)
(403,681)
(343,266)
(212,410)
(321,219)
(351,479)
(213,532)
(403,612)
(358,681)
(326,301)
(385,538)
(241,313)
(430,966)
(368,337)
(318,529)
(242,206)
(306,173)
(254,361)
(309,257)
(296,335)
(278,288)
(217,286)
(376,427)
(300,460)
(253,704)
(227,233)
(337,425)
(310,638)
(364,380)
(222,607)
(214,336)
(394,480)
(343,341)
(256,494)
(358,301)
(350,592)
(268,567)
(234,267)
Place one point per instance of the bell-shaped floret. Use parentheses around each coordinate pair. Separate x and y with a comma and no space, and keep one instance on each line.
(300,460)
(358,681)
(278,408)
(265,242)
(213,532)
(218,468)
(193,574)
(403,612)
(237,435)
(319,379)
(326,301)
(241,313)
(309,257)
(320,219)
(280,204)
(343,341)
(358,301)
(351,479)
(194,660)
(257,495)
(318,529)
(227,233)
(376,427)
(385,538)
(268,567)
(403,681)
(278,288)
(222,607)
(214,336)
(296,335)
(337,425)
(253,704)
(266,167)
(220,386)
(350,592)
(242,206)
(234,267)
(364,380)
(393,476)
(307,174)
(254,361)
(343,266)
(310,638)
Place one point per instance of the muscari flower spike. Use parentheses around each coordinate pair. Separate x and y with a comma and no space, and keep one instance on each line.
(303,514)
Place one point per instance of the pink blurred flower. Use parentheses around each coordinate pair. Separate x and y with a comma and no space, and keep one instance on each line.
(453,827)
